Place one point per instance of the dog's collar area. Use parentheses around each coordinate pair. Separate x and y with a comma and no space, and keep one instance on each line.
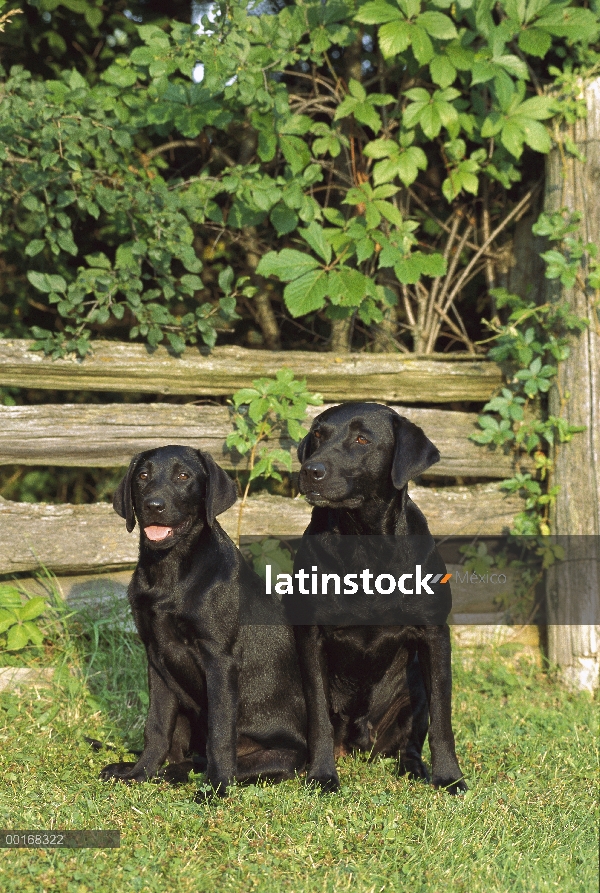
(158,533)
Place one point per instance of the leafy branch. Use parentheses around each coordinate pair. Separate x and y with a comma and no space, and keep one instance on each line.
(273,407)
(531,341)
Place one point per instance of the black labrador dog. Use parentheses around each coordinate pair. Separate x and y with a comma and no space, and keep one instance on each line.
(376,688)
(227,691)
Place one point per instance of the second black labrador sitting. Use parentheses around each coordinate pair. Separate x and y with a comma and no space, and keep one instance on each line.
(372,687)
(226,691)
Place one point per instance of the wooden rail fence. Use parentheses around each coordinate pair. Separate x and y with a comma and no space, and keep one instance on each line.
(78,540)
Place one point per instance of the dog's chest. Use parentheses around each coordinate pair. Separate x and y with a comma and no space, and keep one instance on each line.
(359,657)
(172,642)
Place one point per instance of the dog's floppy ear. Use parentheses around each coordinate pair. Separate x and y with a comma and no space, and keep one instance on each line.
(304,448)
(221,492)
(413,453)
(122,501)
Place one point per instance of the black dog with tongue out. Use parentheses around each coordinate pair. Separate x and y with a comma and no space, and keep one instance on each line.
(372,685)
(226,690)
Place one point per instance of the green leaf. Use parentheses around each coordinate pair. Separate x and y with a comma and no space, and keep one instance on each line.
(408,270)
(16,639)
(315,236)
(442,71)
(142,56)
(512,139)
(418,94)
(380,148)
(295,151)
(513,65)
(538,107)
(422,47)
(34,247)
(430,120)
(357,90)
(176,341)
(10,596)
(366,114)
(438,25)
(93,17)
(45,282)
(536,135)
(225,280)
(267,145)
(99,260)
(244,395)
(535,42)
(286,264)
(377,12)
(432,264)
(32,608)
(65,240)
(347,287)
(7,619)
(259,468)
(284,219)
(409,161)
(307,293)
(492,125)
(390,212)
(119,76)
(33,633)
(394,38)
(191,283)
(76,81)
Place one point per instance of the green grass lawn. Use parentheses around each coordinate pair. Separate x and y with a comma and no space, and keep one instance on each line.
(529,821)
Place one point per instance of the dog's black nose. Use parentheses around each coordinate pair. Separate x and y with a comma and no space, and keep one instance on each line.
(315,470)
(155,504)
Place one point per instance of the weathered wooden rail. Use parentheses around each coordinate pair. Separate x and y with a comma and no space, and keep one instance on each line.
(92,538)
(108,435)
(387,378)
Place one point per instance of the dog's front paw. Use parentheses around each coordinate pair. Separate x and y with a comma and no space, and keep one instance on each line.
(414,768)
(123,772)
(451,785)
(327,780)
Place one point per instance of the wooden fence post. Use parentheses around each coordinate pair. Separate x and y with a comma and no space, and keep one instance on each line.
(573,587)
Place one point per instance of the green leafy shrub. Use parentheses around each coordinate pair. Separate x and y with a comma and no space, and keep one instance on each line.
(312,142)
(17,627)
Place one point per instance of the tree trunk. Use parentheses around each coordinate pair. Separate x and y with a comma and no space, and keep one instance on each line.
(341,334)
(263,309)
(573,587)
(385,332)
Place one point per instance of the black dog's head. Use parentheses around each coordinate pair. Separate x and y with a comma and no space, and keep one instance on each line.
(170,489)
(357,451)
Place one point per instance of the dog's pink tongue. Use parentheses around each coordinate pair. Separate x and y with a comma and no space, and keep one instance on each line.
(157,533)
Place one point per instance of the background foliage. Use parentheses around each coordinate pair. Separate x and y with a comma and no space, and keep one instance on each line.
(368,158)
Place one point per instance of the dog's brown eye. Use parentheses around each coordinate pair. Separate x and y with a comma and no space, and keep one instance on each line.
(183,476)
(143,476)
(317,434)
(361,439)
